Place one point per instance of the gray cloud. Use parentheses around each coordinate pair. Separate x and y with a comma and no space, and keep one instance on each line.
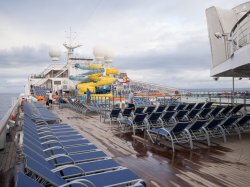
(157,41)
(22,57)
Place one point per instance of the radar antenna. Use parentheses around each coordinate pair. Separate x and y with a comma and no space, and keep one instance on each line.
(70,45)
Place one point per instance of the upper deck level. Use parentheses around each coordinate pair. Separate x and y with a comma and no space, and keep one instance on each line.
(229,36)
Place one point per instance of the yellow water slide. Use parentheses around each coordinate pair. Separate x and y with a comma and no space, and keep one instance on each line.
(97,79)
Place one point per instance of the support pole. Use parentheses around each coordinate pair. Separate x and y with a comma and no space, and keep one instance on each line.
(232,100)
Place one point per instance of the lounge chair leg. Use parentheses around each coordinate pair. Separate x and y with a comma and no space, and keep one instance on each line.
(190,139)
(207,137)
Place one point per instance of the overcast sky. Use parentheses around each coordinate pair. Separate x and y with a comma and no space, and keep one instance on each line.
(158,41)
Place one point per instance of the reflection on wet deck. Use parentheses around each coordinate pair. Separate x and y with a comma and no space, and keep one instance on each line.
(222,164)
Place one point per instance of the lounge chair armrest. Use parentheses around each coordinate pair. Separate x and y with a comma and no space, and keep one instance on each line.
(51,141)
(44,127)
(44,132)
(48,136)
(60,168)
(55,147)
(58,156)
(82,182)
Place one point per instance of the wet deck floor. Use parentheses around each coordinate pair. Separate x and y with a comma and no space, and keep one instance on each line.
(222,164)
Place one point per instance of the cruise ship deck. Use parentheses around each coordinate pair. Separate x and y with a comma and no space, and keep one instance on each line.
(222,164)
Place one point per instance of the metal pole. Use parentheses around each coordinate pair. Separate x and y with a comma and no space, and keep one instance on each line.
(233,93)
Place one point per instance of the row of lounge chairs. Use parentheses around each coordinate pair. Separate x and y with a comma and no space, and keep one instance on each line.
(57,155)
(40,91)
(182,123)
(83,107)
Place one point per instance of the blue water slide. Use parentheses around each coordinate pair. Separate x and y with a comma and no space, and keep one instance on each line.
(89,71)
(79,78)
(93,70)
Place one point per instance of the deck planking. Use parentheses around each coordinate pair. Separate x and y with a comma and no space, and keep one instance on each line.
(222,164)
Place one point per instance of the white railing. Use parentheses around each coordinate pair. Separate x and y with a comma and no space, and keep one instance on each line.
(153,86)
(239,36)
(3,123)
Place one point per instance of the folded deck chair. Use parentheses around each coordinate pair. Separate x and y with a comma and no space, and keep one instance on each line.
(123,176)
(175,134)
(138,122)
(211,129)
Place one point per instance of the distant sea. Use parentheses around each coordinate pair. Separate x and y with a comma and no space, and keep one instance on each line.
(5,102)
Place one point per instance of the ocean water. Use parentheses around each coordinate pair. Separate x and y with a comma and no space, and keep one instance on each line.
(5,102)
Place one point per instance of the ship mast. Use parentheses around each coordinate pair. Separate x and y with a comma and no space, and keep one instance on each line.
(70,46)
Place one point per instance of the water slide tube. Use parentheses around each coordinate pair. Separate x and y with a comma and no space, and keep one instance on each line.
(93,77)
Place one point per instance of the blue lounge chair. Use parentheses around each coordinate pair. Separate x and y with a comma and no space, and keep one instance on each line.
(204,113)
(149,110)
(225,111)
(175,134)
(236,110)
(122,176)
(127,112)
(138,110)
(170,108)
(154,120)
(180,115)
(23,180)
(138,122)
(199,106)
(167,117)
(228,126)
(195,130)
(207,105)
(215,111)
(243,124)
(113,115)
(161,108)
(189,106)
(192,114)
(180,107)
(211,129)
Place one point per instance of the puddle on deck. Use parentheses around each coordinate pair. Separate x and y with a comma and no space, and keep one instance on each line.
(159,166)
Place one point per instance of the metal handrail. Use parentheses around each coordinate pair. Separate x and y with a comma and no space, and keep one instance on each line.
(238,22)
(6,117)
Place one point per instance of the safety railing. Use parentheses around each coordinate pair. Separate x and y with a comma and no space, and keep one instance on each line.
(239,35)
(3,123)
